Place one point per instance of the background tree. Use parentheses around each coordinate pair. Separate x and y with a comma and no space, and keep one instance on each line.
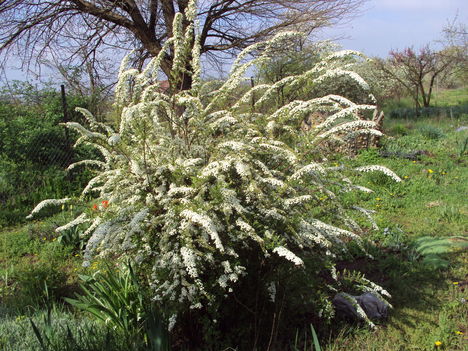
(417,71)
(92,80)
(456,41)
(35,28)
(302,55)
(292,59)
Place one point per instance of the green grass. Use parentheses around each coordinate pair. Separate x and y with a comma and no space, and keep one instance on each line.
(451,104)
(442,97)
(58,330)
(32,256)
(429,202)
(450,97)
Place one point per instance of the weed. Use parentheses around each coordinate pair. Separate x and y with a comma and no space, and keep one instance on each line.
(306,342)
(399,129)
(430,132)
(434,250)
(116,298)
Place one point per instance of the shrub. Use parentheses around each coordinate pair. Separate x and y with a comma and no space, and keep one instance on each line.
(205,197)
(399,129)
(430,132)
(116,298)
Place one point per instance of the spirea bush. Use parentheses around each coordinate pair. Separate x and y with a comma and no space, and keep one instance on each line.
(201,191)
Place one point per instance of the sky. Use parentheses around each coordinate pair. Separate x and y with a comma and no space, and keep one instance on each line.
(384,25)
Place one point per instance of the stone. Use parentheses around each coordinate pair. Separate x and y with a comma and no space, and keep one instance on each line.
(374,307)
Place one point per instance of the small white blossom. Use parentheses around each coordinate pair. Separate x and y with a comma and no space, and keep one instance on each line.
(46,203)
(82,218)
(189,259)
(206,223)
(284,252)
(376,168)
(272,291)
(172,322)
(114,139)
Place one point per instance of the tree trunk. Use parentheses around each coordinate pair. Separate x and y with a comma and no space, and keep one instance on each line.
(417,106)
(431,86)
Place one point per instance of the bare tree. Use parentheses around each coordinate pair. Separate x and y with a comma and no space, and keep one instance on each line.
(417,71)
(456,43)
(35,28)
(456,34)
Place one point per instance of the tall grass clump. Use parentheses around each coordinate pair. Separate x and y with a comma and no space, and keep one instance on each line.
(117,299)
(222,209)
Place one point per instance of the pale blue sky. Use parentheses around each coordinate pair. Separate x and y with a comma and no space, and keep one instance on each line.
(395,24)
(384,25)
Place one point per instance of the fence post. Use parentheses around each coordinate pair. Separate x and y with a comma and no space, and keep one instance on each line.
(64,108)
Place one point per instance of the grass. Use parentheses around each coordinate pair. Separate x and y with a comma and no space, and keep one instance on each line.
(443,97)
(444,103)
(427,298)
(450,97)
(431,201)
(30,258)
(56,329)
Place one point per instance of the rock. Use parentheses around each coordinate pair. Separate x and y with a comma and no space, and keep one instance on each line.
(462,128)
(344,306)
(374,307)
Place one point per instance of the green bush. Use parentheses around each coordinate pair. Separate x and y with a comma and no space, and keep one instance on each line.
(430,132)
(456,112)
(37,272)
(16,244)
(34,152)
(399,129)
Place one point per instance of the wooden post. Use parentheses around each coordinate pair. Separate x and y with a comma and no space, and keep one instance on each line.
(64,104)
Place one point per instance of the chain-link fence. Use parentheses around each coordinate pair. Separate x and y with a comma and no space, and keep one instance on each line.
(35,150)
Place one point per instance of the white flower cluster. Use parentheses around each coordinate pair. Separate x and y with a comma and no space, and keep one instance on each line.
(46,203)
(82,218)
(349,126)
(272,291)
(87,163)
(337,73)
(368,214)
(299,200)
(205,222)
(290,256)
(310,169)
(377,168)
(190,261)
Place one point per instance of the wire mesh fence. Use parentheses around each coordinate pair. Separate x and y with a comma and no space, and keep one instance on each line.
(35,150)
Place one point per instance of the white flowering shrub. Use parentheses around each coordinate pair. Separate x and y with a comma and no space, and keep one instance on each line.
(200,191)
